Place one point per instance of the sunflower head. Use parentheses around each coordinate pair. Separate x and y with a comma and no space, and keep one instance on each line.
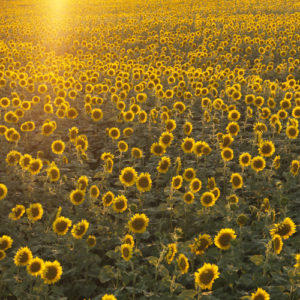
(224,237)
(138,223)
(206,275)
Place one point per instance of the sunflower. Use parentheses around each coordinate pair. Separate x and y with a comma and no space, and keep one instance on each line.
(126,251)
(179,106)
(166,139)
(211,183)
(144,182)
(35,165)
(188,145)
(5,242)
(242,220)
(195,185)
(277,243)
(233,128)
(80,229)
(128,176)
(260,294)
(295,166)
(296,112)
(206,275)
(53,173)
(189,174)
(128,239)
(138,223)
(266,148)
(297,257)
(233,199)
(94,191)
(120,204)
(258,163)
(183,263)
(187,128)
(35,267)
(91,241)
(136,152)
(106,155)
(188,197)
(172,250)
(226,141)
(177,182)
(35,212)
(108,198)
(96,114)
(13,157)
(58,147)
(236,181)
(292,132)
(108,297)
(128,116)
(216,191)
(234,115)
(114,133)
(201,243)
(208,199)
(260,127)
(17,212)
(23,256)
(170,125)
(227,154)
(285,229)
(164,164)
(61,225)
(245,159)
(3,191)
(158,149)
(51,272)
(223,238)
(82,183)
(77,196)
(2,255)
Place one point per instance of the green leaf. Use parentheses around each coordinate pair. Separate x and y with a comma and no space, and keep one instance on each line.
(187,294)
(257,259)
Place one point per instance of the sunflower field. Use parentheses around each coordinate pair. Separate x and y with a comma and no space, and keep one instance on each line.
(149,149)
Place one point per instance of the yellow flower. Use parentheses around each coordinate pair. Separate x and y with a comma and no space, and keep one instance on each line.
(120,204)
(177,182)
(91,241)
(189,174)
(245,159)
(233,128)
(236,181)
(201,243)
(258,163)
(5,242)
(128,176)
(195,185)
(82,183)
(58,147)
(35,212)
(108,297)
(208,199)
(285,229)
(188,145)
(223,238)
(77,196)
(128,239)
(108,198)
(23,256)
(164,164)
(166,139)
(138,223)
(61,225)
(144,182)
(53,173)
(295,167)
(96,114)
(206,275)
(35,166)
(3,191)
(277,243)
(266,148)
(297,257)
(35,267)
(260,294)
(114,133)
(183,263)
(94,191)
(2,255)
(80,229)
(126,251)
(188,197)
(51,272)
(227,154)
(157,149)
(172,250)
(17,212)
